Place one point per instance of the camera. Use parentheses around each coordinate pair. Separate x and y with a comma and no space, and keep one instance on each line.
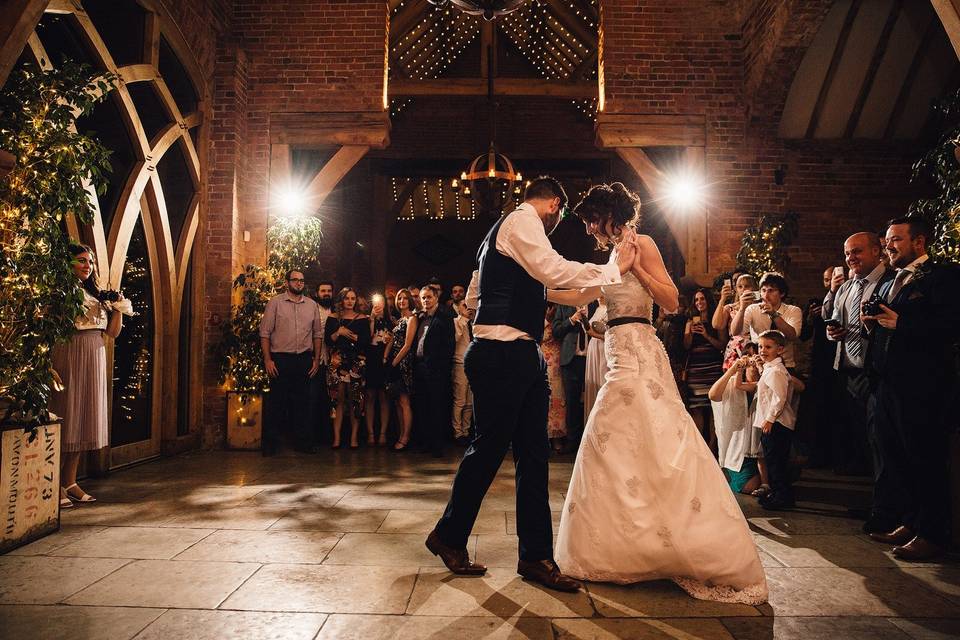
(872,306)
(106,295)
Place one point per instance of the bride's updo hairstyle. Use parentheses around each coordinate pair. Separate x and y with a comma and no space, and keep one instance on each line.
(610,203)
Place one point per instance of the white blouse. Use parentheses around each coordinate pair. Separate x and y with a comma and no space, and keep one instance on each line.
(94,314)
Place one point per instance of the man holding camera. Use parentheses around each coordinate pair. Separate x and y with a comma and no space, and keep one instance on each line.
(912,327)
(770,312)
(841,312)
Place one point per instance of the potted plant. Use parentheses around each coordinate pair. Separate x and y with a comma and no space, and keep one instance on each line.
(39,295)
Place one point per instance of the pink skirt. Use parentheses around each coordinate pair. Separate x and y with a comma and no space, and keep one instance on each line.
(82,405)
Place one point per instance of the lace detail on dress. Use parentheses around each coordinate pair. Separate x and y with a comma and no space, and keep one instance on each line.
(752,595)
(629,298)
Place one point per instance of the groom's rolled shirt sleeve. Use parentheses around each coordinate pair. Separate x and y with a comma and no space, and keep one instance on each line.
(472,297)
(523,239)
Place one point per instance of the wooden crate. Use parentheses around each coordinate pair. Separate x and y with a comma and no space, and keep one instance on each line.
(29,484)
(244,421)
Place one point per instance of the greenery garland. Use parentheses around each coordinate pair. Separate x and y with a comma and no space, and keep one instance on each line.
(293,243)
(942,165)
(40,297)
(764,246)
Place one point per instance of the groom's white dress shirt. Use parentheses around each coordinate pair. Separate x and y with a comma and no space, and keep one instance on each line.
(523,239)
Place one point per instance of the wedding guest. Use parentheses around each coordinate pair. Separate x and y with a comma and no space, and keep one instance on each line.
(670,328)
(415,292)
(775,416)
(291,338)
(855,448)
(730,302)
(431,373)
(912,371)
(347,334)
(400,365)
(462,396)
(570,328)
(458,293)
(375,372)
(704,360)
(81,364)
(771,312)
(738,443)
(595,369)
(557,415)
(319,395)
(818,420)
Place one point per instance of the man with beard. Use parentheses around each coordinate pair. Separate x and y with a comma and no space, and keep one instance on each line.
(318,392)
(912,325)
(291,337)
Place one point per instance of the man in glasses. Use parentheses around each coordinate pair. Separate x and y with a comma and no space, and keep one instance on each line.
(291,337)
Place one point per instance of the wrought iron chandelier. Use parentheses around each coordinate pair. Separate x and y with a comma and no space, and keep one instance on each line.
(489,9)
(491,179)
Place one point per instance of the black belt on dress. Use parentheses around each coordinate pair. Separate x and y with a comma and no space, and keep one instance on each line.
(626,320)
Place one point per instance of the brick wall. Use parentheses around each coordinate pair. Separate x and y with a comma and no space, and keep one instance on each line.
(688,57)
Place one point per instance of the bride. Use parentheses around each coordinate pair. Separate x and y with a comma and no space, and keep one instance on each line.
(647,500)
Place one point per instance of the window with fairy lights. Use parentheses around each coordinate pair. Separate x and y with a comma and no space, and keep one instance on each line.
(133,350)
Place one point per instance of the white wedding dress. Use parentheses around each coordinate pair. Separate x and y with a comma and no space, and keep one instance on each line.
(647,500)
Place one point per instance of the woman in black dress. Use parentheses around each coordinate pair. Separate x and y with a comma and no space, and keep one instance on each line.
(704,346)
(380,339)
(347,334)
(400,360)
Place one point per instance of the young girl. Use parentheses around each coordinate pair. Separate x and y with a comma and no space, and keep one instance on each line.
(738,443)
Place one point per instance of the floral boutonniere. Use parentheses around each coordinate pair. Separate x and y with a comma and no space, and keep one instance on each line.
(921,271)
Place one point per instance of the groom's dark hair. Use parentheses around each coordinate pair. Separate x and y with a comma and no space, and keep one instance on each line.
(545,188)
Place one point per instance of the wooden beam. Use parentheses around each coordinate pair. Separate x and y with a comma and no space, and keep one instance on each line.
(18,19)
(649,130)
(656,184)
(502,87)
(403,196)
(832,69)
(574,24)
(151,39)
(949,12)
(336,168)
(487,40)
(904,96)
(366,128)
(872,69)
(405,19)
(138,73)
(696,253)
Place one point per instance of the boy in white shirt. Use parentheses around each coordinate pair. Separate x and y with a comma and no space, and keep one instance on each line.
(776,417)
(462,396)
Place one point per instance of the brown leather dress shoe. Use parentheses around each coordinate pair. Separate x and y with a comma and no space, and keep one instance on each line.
(900,535)
(547,573)
(457,560)
(918,550)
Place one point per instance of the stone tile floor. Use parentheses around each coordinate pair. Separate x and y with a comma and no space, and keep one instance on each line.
(231,545)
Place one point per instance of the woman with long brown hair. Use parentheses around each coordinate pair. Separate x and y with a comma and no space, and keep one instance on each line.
(81,364)
(399,360)
(347,334)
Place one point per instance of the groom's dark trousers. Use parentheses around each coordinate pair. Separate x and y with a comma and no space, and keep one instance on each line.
(511,399)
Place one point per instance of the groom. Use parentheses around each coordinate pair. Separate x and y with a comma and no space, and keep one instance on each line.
(508,376)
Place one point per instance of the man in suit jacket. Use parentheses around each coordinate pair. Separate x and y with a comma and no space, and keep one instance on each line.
(911,368)
(570,328)
(433,364)
(863,254)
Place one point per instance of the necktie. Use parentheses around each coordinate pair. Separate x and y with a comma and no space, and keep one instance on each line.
(898,281)
(581,337)
(854,328)
(470,330)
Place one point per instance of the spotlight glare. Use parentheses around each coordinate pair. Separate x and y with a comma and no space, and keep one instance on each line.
(685,191)
(292,202)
